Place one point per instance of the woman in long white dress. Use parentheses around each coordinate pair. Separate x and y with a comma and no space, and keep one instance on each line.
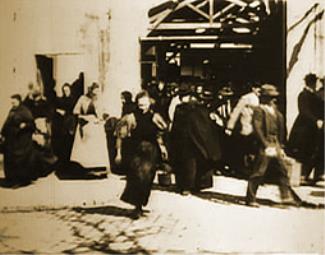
(90,143)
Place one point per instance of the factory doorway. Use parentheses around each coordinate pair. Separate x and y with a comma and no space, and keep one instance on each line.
(217,42)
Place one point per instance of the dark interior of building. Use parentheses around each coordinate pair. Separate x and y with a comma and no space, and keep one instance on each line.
(216,42)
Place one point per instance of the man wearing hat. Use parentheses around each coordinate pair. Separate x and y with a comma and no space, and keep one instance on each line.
(269,132)
(307,130)
(183,94)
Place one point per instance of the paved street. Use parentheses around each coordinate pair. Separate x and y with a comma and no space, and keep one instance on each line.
(86,216)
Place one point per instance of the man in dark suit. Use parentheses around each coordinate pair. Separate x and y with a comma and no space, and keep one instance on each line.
(269,132)
(307,128)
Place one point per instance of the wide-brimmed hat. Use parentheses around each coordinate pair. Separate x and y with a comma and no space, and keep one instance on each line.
(311,77)
(185,89)
(206,94)
(226,91)
(269,90)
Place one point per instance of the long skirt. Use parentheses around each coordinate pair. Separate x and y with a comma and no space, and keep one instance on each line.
(193,172)
(46,159)
(140,175)
(62,136)
(90,146)
(20,158)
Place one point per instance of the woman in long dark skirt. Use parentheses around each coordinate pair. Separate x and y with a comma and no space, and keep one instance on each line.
(195,144)
(63,125)
(42,112)
(144,129)
(19,153)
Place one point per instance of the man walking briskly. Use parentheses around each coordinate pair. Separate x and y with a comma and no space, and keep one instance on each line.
(269,131)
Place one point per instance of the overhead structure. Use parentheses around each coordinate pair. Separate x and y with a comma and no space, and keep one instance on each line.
(211,40)
(208,20)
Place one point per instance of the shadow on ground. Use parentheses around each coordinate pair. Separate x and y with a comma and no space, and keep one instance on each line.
(104,234)
(105,210)
(74,171)
(13,185)
(223,198)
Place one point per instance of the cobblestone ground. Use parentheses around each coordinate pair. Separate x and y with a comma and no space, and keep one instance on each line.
(216,221)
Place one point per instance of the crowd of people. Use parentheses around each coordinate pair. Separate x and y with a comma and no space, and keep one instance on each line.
(190,129)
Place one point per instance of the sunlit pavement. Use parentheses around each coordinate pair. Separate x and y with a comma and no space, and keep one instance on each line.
(86,216)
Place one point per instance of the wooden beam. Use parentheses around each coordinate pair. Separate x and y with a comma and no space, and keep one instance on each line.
(206,25)
(157,19)
(170,4)
(180,38)
(187,26)
(172,56)
(238,2)
(223,11)
(211,11)
(163,15)
(202,4)
(199,11)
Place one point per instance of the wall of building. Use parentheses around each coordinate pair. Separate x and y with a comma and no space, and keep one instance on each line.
(129,21)
(101,38)
(70,31)
(305,48)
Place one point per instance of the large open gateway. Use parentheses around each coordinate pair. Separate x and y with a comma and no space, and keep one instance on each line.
(216,42)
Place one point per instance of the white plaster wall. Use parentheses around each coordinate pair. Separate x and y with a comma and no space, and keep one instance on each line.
(311,57)
(48,27)
(129,21)
(71,26)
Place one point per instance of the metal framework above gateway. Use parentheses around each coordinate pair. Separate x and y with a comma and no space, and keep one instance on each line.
(207,20)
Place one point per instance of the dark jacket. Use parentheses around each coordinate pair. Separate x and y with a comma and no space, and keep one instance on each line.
(194,130)
(18,146)
(261,125)
(304,134)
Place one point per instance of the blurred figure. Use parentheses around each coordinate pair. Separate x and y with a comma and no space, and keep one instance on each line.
(42,113)
(199,93)
(63,125)
(194,144)
(225,97)
(40,110)
(175,100)
(269,131)
(37,103)
(307,128)
(319,160)
(90,145)
(19,153)
(243,112)
(158,93)
(128,106)
(144,127)
(239,126)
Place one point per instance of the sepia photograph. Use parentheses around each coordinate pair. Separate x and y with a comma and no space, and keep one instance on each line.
(162,127)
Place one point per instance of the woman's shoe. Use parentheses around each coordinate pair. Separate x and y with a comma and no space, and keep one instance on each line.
(136,214)
(185,192)
(253,204)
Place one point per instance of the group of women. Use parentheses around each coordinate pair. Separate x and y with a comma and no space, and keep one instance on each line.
(39,135)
